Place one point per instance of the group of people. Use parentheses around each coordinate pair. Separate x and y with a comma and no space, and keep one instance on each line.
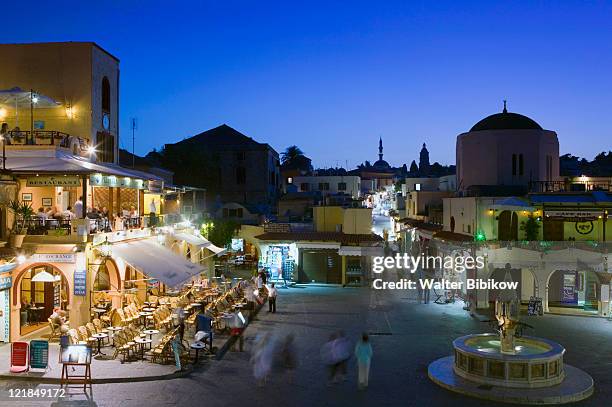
(270,352)
(104,220)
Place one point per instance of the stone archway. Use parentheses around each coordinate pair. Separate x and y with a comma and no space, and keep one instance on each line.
(515,272)
(17,284)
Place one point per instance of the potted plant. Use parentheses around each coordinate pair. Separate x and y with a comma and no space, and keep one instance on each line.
(22,211)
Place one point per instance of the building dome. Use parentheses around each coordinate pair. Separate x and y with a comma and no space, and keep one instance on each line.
(506,121)
(381,164)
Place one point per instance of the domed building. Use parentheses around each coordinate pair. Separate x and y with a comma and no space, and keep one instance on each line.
(381,164)
(506,149)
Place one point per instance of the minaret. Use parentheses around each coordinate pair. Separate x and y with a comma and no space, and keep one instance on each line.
(380,149)
(424,161)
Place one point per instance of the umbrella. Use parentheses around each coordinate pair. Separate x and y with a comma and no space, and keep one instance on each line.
(512,204)
(17,97)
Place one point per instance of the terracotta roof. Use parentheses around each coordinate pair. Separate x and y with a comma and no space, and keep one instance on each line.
(420,224)
(452,236)
(341,237)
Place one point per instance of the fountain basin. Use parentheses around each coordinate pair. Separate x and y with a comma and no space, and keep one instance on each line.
(538,362)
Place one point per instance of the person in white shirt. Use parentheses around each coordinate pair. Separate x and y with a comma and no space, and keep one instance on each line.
(78,207)
(272,294)
(68,214)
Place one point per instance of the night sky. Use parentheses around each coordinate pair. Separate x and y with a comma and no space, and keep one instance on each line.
(332,78)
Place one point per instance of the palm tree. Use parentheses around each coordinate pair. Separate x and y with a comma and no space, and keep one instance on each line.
(291,153)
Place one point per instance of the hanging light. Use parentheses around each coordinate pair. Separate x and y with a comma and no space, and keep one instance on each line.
(105,248)
(43,277)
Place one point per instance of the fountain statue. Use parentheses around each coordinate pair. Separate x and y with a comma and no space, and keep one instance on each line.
(528,370)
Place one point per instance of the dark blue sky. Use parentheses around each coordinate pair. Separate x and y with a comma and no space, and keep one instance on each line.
(332,78)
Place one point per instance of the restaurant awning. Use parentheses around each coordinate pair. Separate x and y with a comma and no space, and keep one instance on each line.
(194,240)
(69,164)
(156,261)
(361,251)
(217,250)
(199,242)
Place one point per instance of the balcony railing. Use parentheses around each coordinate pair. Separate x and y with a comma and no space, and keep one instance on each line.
(46,138)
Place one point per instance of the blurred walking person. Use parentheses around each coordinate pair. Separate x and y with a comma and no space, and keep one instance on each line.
(262,359)
(289,357)
(363,353)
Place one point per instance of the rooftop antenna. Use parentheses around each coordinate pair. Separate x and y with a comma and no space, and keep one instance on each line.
(505,109)
(134,124)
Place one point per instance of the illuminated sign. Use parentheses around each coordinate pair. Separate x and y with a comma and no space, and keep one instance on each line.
(54,181)
(100,180)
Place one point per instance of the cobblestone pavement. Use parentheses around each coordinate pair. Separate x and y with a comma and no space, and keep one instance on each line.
(406,336)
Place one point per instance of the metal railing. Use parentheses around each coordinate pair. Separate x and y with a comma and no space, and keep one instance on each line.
(46,138)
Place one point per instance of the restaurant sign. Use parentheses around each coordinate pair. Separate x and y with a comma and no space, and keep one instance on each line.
(80,283)
(54,257)
(100,180)
(54,181)
(573,216)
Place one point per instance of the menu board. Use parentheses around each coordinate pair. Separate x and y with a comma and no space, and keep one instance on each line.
(80,283)
(80,354)
(39,354)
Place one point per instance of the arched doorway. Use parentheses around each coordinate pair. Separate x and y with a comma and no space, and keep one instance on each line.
(576,290)
(452,223)
(527,286)
(41,288)
(507,226)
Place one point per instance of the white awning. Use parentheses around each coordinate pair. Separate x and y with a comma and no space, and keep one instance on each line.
(217,250)
(361,251)
(68,163)
(156,261)
(349,251)
(194,240)
(317,245)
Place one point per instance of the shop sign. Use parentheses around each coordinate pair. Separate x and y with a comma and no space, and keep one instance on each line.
(155,187)
(54,257)
(80,283)
(54,181)
(573,216)
(100,180)
(6,282)
(584,228)
(39,354)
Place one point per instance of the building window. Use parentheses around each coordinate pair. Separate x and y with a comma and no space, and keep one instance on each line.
(323,186)
(106,104)
(240,175)
(304,186)
(521,164)
(289,180)
(341,186)
(513,164)
(240,156)
(272,178)
(417,187)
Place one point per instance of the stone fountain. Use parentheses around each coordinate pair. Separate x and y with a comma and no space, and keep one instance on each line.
(506,366)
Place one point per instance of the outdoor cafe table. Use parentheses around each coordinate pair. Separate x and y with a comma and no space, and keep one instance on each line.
(197,346)
(99,311)
(112,330)
(150,332)
(142,342)
(99,337)
(144,316)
